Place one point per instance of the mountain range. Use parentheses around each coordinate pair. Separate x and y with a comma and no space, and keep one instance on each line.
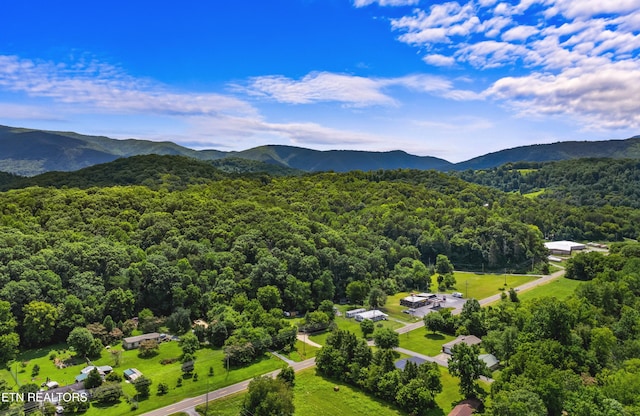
(29,152)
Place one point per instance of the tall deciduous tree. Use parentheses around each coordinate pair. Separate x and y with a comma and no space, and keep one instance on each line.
(81,339)
(386,338)
(39,322)
(9,340)
(267,397)
(466,365)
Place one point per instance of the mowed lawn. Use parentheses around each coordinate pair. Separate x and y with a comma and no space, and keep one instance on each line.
(351,325)
(559,288)
(423,342)
(314,395)
(480,286)
(150,367)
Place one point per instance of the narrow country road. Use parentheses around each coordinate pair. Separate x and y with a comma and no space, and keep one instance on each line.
(188,405)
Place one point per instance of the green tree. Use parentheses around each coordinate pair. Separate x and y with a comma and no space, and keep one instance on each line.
(163,388)
(93,380)
(39,322)
(377,298)
(466,365)
(288,375)
(415,397)
(433,322)
(9,340)
(518,402)
(179,321)
(189,343)
(367,327)
(269,297)
(81,339)
(386,338)
(356,292)
(443,265)
(267,397)
(148,348)
(142,386)
(108,393)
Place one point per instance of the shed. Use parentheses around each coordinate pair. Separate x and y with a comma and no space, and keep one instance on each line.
(131,374)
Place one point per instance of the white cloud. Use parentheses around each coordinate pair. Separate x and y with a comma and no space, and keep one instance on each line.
(364,3)
(321,86)
(573,50)
(585,9)
(438,25)
(604,98)
(439,60)
(350,90)
(104,88)
(519,33)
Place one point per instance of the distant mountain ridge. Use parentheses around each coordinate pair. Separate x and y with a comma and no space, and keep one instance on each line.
(29,152)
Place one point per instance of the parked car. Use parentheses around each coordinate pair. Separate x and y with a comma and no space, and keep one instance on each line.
(457,295)
(410,311)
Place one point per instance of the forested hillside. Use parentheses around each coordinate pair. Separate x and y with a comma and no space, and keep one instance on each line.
(581,182)
(117,250)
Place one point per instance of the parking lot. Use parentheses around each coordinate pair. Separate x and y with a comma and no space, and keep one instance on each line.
(448,302)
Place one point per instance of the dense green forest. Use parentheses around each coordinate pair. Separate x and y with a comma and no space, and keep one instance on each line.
(194,242)
(580,182)
(169,240)
(580,355)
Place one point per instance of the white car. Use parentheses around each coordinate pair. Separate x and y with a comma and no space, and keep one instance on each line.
(457,295)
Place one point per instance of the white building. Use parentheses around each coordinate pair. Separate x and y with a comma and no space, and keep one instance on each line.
(563,247)
(373,315)
(354,312)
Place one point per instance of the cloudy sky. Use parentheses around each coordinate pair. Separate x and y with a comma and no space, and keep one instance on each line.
(451,79)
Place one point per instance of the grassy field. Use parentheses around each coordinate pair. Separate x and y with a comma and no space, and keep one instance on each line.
(560,288)
(480,286)
(150,367)
(423,342)
(535,194)
(314,396)
(351,325)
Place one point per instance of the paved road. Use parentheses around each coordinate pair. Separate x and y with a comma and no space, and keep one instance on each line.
(187,405)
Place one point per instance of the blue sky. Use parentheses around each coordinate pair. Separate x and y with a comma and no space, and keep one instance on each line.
(451,79)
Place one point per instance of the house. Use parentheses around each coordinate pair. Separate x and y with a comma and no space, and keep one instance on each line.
(373,315)
(354,312)
(490,361)
(467,339)
(401,364)
(465,408)
(130,343)
(131,374)
(563,247)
